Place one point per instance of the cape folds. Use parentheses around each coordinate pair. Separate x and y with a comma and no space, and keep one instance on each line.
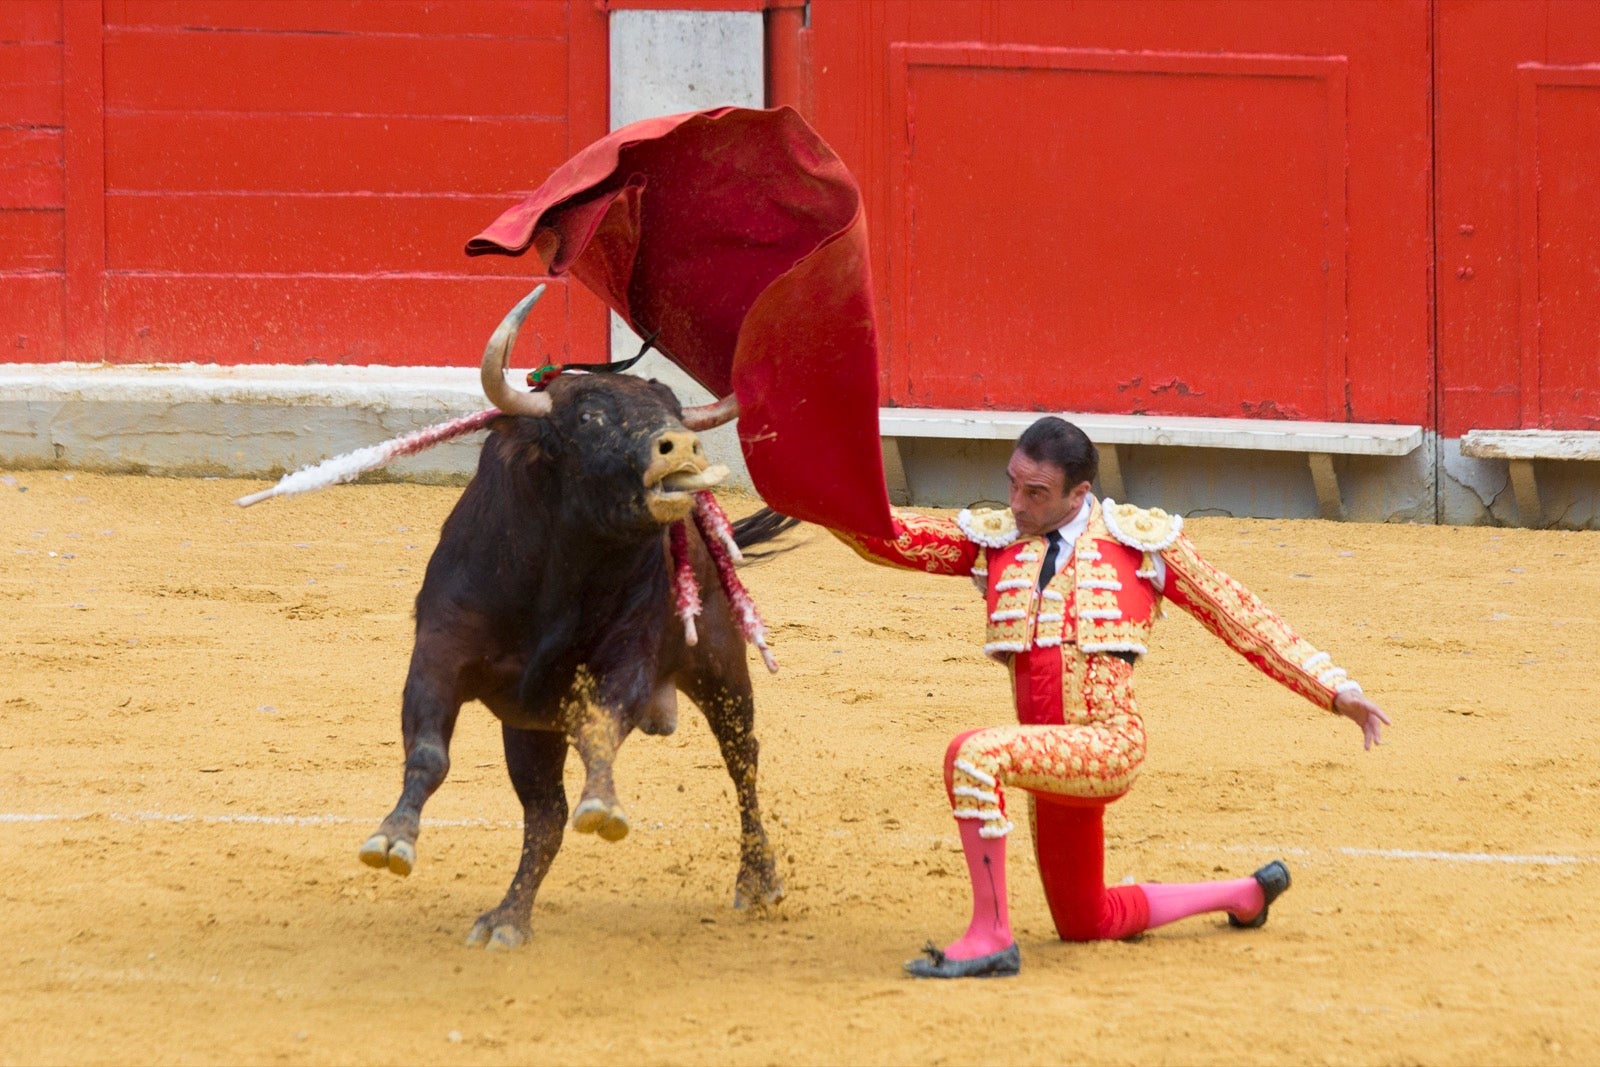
(738,235)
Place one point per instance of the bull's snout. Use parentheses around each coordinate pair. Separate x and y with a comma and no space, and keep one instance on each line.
(677,446)
(677,470)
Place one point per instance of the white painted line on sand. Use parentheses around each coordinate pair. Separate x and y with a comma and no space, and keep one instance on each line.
(264,820)
(1545,859)
(1534,859)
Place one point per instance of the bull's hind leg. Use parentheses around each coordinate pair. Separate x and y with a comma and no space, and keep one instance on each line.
(427,721)
(730,711)
(535,759)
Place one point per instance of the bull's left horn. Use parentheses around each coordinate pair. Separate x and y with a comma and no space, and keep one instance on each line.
(709,416)
(497,354)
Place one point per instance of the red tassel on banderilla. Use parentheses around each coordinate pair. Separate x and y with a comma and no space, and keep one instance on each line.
(717,532)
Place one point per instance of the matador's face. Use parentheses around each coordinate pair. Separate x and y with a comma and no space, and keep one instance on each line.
(1041,500)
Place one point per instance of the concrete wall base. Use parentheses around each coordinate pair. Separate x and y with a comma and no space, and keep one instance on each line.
(247,422)
(1194,481)
(264,421)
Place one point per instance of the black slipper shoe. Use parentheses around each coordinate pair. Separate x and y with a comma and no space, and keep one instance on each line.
(1273,880)
(1003,964)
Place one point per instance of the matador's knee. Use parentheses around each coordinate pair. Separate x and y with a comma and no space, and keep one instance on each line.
(972,782)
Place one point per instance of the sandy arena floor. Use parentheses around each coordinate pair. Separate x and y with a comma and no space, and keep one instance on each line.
(199,725)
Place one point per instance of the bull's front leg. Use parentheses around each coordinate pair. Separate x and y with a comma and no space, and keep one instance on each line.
(427,721)
(730,711)
(534,759)
(595,731)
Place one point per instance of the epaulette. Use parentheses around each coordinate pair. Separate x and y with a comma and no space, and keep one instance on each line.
(1147,529)
(989,527)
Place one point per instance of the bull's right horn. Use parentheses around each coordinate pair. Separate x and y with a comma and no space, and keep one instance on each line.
(497,354)
(710,416)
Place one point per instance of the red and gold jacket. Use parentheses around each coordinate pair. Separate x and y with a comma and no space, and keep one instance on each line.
(1105,598)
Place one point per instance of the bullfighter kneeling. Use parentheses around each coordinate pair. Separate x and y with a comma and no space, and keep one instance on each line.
(1074,585)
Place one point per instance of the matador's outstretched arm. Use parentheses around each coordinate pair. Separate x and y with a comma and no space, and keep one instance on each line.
(921,543)
(1256,632)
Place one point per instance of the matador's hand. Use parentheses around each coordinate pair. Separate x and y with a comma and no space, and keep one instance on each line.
(1364,713)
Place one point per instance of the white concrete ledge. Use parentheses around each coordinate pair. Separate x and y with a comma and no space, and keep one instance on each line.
(1519,448)
(246,421)
(1320,441)
(1532,444)
(375,387)
(1266,435)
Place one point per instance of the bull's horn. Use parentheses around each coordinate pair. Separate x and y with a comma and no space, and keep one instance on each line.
(709,416)
(496,355)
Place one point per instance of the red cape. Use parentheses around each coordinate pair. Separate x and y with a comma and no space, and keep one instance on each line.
(738,235)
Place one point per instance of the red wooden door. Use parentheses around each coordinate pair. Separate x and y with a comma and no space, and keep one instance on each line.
(1191,208)
(282,182)
(1518,128)
(32,226)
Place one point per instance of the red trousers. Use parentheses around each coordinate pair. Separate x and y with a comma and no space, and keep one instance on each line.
(1068,830)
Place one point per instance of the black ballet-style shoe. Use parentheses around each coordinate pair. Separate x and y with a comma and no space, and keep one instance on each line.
(1273,880)
(1003,964)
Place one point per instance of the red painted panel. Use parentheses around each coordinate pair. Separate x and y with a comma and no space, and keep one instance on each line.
(452,18)
(1212,284)
(30,168)
(333,73)
(1560,235)
(1478,48)
(1513,145)
(30,84)
(30,241)
(30,318)
(356,320)
(1388,183)
(304,234)
(588,120)
(83,147)
(695,5)
(330,153)
(31,21)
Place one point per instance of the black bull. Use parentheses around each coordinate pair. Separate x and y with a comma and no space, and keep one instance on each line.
(549,599)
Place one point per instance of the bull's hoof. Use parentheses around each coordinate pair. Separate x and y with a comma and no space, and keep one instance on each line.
(496,936)
(757,899)
(595,816)
(399,856)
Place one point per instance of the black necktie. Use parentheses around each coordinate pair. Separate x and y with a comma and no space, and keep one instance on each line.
(1048,571)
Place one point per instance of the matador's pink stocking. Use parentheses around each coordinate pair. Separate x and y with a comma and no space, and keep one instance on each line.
(990,929)
(1168,903)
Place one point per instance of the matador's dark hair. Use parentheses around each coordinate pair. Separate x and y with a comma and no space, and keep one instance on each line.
(1058,442)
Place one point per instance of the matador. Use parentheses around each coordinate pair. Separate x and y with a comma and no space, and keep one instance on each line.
(1073,586)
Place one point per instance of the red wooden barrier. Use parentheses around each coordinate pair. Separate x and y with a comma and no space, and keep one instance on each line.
(1188,207)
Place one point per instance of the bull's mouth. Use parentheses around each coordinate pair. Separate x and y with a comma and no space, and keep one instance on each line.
(672,497)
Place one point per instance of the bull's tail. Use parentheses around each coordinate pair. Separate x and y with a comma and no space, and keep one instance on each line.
(761,528)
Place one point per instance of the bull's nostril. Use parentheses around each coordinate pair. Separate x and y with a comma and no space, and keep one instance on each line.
(665,448)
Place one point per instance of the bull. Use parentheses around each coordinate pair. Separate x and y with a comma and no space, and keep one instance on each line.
(550,599)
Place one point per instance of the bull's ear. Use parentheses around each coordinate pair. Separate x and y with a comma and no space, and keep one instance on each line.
(516,440)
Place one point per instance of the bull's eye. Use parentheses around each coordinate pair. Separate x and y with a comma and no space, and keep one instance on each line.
(591,416)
